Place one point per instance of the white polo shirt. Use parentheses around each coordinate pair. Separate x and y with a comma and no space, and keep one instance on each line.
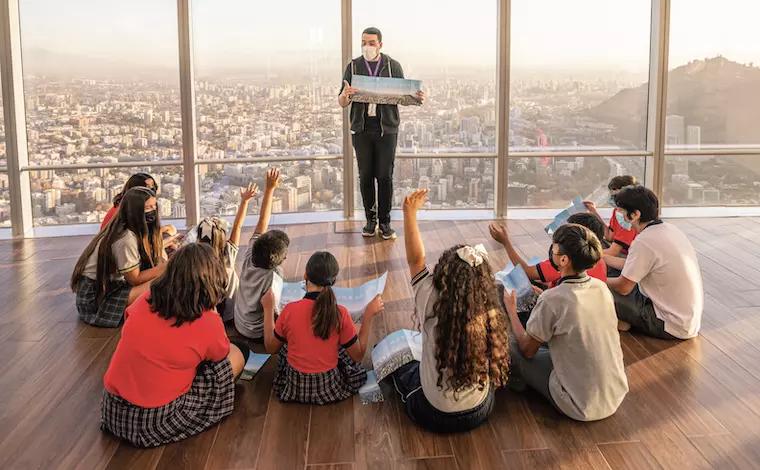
(664,264)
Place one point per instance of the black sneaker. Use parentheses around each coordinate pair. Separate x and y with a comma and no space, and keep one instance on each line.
(370,230)
(386,231)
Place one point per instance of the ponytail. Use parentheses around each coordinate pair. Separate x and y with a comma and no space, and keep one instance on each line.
(325,315)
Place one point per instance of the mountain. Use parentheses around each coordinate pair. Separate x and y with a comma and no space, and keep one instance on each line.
(720,96)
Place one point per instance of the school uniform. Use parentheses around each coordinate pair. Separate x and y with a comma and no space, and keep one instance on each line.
(227,307)
(621,236)
(580,369)
(432,407)
(668,299)
(310,369)
(109,215)
(254,283)
(110,312)
(166,383)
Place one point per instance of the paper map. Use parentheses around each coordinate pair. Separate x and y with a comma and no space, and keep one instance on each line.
(575,207)
(397,349)
(515,279)
(370,392)
(255,362)
(355,299)
(386,90)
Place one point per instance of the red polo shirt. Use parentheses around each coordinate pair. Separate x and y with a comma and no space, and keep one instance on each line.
(548,274)
(621,236)
(155,363)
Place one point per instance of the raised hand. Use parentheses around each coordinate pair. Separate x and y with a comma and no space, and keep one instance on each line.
(590,205)
(248,193)
(414,201)
(498,232)
(273,179)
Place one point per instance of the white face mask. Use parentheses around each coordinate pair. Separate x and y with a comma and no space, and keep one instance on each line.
(369,53)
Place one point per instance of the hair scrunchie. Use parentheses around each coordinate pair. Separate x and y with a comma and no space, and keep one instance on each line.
(473,255)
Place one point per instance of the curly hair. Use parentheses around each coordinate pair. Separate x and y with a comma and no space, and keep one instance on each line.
(471,330)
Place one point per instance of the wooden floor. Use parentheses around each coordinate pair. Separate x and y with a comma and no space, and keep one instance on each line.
(692,405)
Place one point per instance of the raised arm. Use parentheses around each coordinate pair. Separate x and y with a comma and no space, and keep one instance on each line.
(415,250)
(273,181)
(245,196)
(500,234)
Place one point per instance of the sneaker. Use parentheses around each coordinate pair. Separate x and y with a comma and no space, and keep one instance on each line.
(370,230)
(386,231)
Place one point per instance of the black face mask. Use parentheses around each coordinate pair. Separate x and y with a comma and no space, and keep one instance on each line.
(551,257)
(150,217)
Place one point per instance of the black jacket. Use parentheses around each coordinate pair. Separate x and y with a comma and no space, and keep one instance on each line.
(389,116)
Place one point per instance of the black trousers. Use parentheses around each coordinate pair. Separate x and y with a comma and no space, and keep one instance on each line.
(638,310)
(375,156)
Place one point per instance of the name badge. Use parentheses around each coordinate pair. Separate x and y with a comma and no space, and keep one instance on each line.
(371,109)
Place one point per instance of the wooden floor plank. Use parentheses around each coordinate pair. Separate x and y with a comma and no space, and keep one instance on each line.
(285,436)
(331,433)
(514,424)
(477,450)
(629,456)
(726,453)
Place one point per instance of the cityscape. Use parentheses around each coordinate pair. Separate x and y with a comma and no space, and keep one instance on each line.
(94,121)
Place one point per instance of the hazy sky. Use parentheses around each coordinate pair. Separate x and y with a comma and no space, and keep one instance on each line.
(572,34)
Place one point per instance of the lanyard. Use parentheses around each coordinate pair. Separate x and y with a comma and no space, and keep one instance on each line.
(377,67)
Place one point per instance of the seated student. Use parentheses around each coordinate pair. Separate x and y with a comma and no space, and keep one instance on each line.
(118,264)
(213,231)
(266,251)
(319,349)
(464,335)
(619,233)
(547,271)
(581,370)
(660,289)
(173,373)
(143,180)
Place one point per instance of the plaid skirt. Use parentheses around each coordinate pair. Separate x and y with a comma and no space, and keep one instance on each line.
(334,385)
(210,398)
(110,312)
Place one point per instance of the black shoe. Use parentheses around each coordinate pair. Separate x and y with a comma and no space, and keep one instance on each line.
(370,230)
(386,231)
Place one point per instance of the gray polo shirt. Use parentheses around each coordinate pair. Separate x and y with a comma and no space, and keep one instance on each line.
(577,319)
(254,282)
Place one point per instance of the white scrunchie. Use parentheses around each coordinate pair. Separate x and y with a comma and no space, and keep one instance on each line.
(207,227)
(473,255)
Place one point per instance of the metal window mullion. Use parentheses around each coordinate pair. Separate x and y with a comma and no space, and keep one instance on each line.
(187,109)
(657,108)
(348,150)
(502,107)
(15,120)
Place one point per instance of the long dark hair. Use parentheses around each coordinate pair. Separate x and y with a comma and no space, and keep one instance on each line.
(322,270)
(129,217)
(471,330)
(194,282)
(138,180)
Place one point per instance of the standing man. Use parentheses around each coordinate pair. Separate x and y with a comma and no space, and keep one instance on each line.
(374,130)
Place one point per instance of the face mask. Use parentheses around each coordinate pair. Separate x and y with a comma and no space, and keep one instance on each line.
(369,53)
(551,258)
(621,220)
(150,217)
(611,202)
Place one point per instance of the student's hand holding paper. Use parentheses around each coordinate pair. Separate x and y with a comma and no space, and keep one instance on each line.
(420,96)
(374,307)
(498,232)
(348,90)
(537,290)
(510,301)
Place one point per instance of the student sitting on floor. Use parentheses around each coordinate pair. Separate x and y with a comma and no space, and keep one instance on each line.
(266,251)
(319,349)
(173,373)
(118,264)
(213,231)
(547,271)
(619,233)
(580,369)
(660,289)
(464,335)
(143,180)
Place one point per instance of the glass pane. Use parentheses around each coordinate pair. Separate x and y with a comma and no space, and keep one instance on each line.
(714,81)
(263,89)
(579,74)
(307,186)
(450,46)
(5,202)
(711,180)
(553,182)
(84,196)
(454,183)
(101,81)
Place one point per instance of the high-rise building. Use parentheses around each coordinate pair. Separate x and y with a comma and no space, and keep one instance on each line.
(674,130)
(424,183)
(474,188)
(693,136)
